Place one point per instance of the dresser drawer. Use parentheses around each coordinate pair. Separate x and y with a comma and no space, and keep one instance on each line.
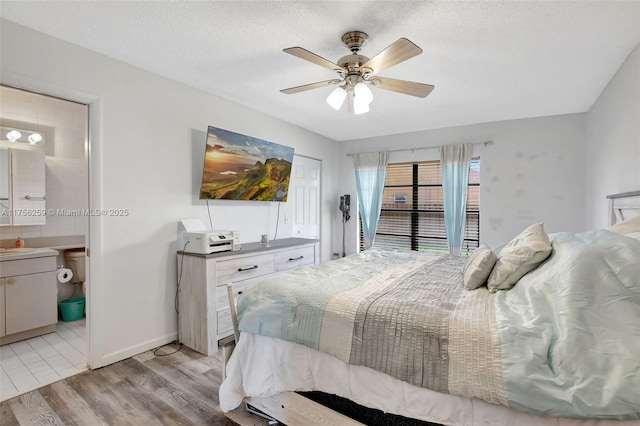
(222,298)
(235,270)
(294,258)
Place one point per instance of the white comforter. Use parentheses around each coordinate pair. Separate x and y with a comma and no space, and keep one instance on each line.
(265,366)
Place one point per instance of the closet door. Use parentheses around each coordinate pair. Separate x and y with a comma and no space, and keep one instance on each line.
(305,197)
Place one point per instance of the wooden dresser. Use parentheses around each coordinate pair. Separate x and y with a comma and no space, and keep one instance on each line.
(204,316)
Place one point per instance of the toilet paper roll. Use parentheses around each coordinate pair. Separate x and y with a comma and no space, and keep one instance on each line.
(64,275)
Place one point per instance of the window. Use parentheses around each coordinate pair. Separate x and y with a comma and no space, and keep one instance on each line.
(412,215)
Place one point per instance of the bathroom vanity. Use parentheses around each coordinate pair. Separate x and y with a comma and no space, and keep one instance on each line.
(28,293)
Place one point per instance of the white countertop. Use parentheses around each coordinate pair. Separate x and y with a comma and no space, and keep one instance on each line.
(25,253)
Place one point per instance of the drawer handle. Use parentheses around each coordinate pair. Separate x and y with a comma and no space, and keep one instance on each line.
(291,259)
(247,269)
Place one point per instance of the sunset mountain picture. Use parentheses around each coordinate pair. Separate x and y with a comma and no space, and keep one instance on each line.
(240,167)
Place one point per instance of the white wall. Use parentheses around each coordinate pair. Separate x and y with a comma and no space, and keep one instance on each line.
(533,172)
(147,142)
(613,141)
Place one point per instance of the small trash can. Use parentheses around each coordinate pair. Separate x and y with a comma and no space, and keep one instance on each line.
(72,309)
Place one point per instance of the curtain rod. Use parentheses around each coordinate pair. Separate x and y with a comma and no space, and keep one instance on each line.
(485,143)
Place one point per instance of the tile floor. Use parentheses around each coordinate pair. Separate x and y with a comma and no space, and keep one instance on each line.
(39,361)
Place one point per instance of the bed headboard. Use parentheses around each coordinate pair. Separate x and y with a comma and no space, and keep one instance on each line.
(623,206)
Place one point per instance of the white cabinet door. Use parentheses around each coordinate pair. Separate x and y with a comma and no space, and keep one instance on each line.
(30,301)
(305,197)
(28,187)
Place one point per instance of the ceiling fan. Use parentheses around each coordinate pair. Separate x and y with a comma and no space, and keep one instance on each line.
(357,72)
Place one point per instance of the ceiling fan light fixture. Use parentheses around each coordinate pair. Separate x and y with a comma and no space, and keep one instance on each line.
(363,93)
(357,72)
(336,98)
(360,106)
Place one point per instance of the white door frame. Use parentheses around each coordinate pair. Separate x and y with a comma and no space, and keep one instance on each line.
(92,158)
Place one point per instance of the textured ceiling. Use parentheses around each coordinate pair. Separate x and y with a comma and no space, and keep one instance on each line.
(489,61)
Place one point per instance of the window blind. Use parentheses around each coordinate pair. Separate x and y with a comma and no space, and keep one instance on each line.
(412,214)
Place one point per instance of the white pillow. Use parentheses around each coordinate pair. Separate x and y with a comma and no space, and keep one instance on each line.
(478,267)
(635,235)
(519,256)
(629,227)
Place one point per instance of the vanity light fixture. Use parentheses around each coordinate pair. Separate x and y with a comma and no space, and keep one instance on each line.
(14,135)
(35,138)
(18,135)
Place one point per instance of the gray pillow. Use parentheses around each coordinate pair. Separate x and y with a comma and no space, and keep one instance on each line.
(519,256)
(478,267)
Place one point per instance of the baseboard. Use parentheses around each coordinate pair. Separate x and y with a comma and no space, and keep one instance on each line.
(134,350)
(5,340)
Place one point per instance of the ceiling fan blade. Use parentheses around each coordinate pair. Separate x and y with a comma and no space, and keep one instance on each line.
(312,57)
(397,52)
(305,87)
(412,88)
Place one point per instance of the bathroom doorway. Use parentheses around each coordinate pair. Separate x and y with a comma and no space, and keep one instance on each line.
(35,361)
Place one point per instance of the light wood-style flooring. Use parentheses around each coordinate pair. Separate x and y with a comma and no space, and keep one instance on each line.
(178,389)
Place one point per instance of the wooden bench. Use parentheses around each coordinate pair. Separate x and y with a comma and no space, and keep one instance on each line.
(292,410)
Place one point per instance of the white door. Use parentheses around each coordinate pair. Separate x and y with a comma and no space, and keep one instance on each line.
(304,193)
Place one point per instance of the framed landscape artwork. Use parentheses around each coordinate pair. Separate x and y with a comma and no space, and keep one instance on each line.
(240,167)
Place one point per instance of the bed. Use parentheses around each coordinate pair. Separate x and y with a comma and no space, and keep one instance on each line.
(554,343)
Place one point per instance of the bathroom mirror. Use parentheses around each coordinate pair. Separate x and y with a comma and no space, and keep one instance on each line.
(5,204)
(22,187)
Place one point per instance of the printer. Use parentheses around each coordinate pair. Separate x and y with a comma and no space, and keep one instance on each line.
(207,242)
(194,237)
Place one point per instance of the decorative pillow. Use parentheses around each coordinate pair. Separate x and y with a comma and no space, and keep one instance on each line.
(519,256)
(478,267)
(498,250)
(635,235)
(629,227)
